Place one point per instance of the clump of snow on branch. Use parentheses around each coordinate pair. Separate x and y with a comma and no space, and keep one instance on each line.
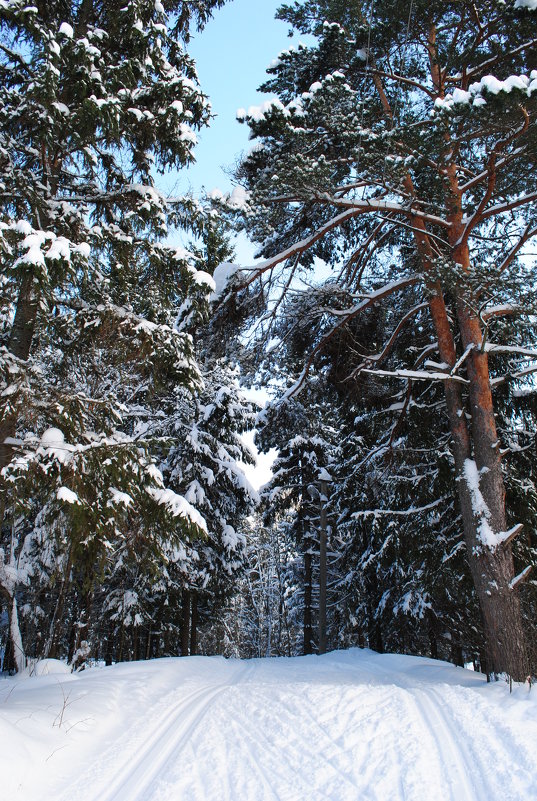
(489,84)
(177,505)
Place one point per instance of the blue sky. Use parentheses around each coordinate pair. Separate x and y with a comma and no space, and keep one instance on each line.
(232,54)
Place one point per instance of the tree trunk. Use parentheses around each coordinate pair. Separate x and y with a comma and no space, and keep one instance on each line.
(483,501)
(52,647)
(322,567)
(136,644)
(15,636)
(433,638)
(491,568)
(308,617)
(185,623)
(108,652)
(20,343)
(194,625)
(81,646)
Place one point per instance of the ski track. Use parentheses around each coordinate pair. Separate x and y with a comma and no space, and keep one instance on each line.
(364,731)
(452,759)
(451,742)
(167,737)
(171,732)
(500,773)
(286,761)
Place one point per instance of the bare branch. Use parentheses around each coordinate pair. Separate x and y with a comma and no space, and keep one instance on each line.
(402,79)
(416,375)
(379,357)
(491,174)
(485,65)
(346,315)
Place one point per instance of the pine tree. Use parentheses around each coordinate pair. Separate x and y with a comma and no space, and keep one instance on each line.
(392,153)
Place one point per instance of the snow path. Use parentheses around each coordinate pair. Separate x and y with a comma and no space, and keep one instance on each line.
(348,726)
(162,743)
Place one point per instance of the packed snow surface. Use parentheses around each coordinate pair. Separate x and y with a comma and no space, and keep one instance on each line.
(348,726)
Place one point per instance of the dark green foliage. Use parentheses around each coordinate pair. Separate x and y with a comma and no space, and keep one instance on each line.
(392,155)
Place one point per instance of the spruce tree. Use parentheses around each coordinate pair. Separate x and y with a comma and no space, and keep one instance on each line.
(96,99)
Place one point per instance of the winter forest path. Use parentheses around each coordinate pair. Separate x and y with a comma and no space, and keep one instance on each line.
(349,726)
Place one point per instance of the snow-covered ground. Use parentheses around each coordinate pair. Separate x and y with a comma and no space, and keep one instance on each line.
(348,726)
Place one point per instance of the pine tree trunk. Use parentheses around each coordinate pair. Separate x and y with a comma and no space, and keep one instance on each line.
(15,636)
(491,565)
(492,570)
(20,342)
(185,623)
(322,567)
(194,625)
(52,647)
(136,644)
(308,617)
(147,650)
(81,646)
(108,652)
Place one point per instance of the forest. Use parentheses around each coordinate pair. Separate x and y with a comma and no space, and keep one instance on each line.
(390,316)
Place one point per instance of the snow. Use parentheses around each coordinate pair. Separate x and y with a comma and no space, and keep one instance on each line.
(238,198)
(230,538)
(67,495)
(83,249)
(177,505)
(492,85)
(118,497)
(479,506)
(55,446)
(66,30)
(201,277)
(221,277)
(521,576)
(531,4)
(47,667)
(59,249)
(187,134)
(52,437)
(347,726)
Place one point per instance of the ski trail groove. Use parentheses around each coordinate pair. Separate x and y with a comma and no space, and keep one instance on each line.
(455,765)
(486,789)
(166,738)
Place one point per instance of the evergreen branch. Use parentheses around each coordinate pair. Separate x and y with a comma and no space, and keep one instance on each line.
(363,206)
(492,174)
(529,232)
(400,512)
(401,79)
(15,57)
(361,256)
(346,315)
(416,375)
(477,179)
(501,208)
(495,60)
